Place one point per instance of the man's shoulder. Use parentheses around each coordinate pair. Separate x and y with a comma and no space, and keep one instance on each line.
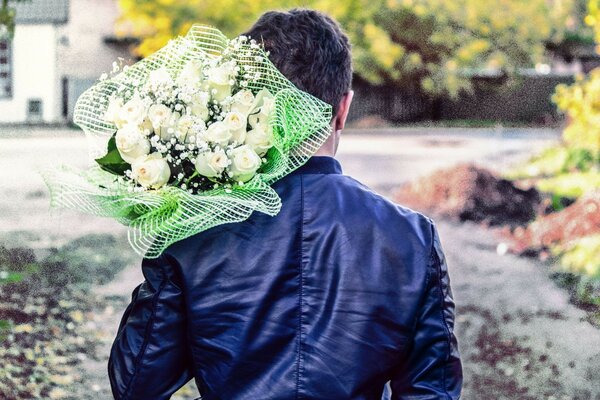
(376,200)
(362,204)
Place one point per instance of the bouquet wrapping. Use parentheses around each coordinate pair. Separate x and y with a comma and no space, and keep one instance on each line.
(189,138)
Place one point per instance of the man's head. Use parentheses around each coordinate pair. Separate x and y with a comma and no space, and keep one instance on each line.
(310,49)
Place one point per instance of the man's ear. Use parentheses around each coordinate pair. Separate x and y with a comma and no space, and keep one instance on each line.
(343,107)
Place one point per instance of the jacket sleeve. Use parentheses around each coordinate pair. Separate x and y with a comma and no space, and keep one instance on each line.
(432,368)
(149,357)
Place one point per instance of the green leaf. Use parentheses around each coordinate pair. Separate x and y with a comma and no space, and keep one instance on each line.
(11,277)
(113,162)
(5,327)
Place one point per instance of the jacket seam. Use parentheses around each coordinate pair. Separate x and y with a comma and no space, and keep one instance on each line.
(127,312)
(139,358)
(438,267)
(301,291)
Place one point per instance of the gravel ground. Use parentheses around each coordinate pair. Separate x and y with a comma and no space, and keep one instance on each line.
(520,337)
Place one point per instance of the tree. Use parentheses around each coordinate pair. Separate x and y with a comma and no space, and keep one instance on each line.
(432,45)
(581,102)
(593,18)
(572,169)
(7,20)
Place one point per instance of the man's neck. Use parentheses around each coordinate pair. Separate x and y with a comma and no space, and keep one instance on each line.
(324,153)
(329,148)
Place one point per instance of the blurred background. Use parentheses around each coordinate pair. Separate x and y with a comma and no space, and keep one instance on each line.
(483,115)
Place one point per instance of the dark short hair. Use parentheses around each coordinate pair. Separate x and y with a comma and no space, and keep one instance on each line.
(310,49)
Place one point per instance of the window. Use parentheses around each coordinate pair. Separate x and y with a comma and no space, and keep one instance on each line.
(5,69)
(34,110)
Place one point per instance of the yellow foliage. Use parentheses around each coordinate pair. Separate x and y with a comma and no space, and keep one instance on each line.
(23,328)
(593,14)
(406,42)
(581,102)
(386,52)
(572,184)
(581,255)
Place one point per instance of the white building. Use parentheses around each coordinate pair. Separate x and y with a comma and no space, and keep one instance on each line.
(30,84)
(60,48)
(89,47)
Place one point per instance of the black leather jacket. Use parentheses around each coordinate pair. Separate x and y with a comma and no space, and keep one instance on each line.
(338,294)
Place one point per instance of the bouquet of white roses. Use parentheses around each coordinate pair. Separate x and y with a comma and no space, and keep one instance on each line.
(189,138)
(198,130)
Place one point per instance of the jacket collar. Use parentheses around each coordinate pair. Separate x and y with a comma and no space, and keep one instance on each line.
(320,165)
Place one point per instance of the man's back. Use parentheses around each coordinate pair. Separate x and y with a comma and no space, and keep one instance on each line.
(339,293)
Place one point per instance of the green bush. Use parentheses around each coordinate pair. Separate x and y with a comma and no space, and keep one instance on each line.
(571,185)
(549,162)
(581,102)
(581,256)
(572,169)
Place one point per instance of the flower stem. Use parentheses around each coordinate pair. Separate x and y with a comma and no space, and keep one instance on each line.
(195,174)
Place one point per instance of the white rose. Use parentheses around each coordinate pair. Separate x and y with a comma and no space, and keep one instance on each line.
(151,171)
(146,127)
(159,77)
(168,129)
(244,163)
(260,139)
(201,143)
(184,124)
(199,105)
(264,100)
(268,105)
(190,74)
(195,132)
(113,111)
(221,74)
(211,163)
(131,143)
(258,119)
(219,80)
(220,93)
(243,101)
(236,123)
(218,133)
(159,114)
(133,112)
(263,107)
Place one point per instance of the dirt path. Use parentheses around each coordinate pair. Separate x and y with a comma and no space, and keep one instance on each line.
(520,337)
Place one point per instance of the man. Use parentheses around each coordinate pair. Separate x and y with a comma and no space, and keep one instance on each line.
(338,294)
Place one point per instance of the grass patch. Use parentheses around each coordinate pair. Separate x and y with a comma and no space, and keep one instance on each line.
(584,292)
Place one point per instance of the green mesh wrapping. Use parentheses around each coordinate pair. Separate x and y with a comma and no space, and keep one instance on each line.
(158,218)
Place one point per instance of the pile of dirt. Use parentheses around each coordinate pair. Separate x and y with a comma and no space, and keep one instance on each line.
(580,219)
(471,193)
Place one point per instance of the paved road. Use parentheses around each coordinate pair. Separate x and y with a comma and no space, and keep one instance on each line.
(519,335)
(380,158)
